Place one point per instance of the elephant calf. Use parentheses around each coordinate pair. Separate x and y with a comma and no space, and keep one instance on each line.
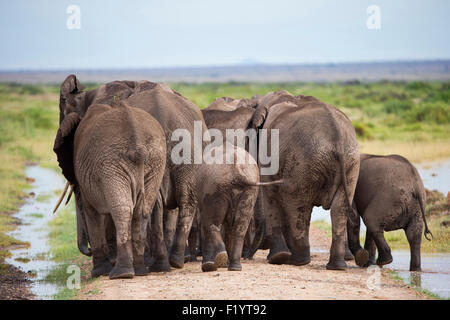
(115,157)
(227,195)
(389,195)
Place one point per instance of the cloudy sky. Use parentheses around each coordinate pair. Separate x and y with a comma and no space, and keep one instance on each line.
(137,34)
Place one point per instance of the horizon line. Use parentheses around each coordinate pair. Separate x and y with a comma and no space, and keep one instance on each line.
(256,64)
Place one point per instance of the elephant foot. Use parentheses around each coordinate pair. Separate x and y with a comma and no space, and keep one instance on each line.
(101,270)
(221,260)
(416,268)
(371,262)
(119,272)
(362,258)
(299,260)
(336,265)
(208,266)
(140,270)
(348,255)
(176,261)
(384,259)
(235,267)
(161,265)
(279,257)
(187,258)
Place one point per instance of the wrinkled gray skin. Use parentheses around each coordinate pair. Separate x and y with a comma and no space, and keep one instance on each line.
(389,196)
(227,196)
(227,113)
(172,111)
(230,104)
(319,163)
(116,164)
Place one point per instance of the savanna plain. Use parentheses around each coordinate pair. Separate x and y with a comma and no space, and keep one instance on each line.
(407,118)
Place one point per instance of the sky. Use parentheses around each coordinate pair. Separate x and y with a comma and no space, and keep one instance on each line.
(151,34)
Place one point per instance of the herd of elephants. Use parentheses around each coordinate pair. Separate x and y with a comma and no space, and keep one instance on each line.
(138,211)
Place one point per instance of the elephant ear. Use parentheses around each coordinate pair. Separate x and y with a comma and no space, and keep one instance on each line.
(63,146)
(259,116)
(71,85)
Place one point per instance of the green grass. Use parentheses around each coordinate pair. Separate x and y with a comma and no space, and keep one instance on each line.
(36,215)
(28,122)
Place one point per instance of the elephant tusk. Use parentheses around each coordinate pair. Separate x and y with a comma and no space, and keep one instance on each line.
(70,195)
(62,196)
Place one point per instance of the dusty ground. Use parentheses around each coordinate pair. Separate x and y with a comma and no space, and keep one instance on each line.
(257,280)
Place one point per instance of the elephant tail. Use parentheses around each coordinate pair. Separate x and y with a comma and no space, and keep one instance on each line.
(136,153)
(344,182)
(422,208)
(281,181)
(258,240)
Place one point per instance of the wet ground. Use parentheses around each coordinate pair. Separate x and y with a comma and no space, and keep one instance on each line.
(37,212)
(35,215)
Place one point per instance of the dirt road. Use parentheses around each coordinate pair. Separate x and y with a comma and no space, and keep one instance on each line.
(258,280)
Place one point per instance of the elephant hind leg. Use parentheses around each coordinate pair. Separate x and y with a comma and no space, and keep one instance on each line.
(369,245)
(122,216)
(279,252)
(241,220)
(296,231)
(339,210)
(99,247)
(414,235)
(213,247)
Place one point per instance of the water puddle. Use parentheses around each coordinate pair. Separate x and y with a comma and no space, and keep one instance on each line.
(35,215)
(435,275)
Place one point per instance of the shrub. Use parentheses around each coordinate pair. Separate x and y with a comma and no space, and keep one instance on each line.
(436,112)
(397,106)
(418,85)
(362,130)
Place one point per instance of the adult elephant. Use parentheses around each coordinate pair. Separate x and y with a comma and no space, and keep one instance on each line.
(116,164)
(319,162)
(389,195)
(173,112)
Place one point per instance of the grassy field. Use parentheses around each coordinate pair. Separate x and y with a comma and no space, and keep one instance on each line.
(412,119)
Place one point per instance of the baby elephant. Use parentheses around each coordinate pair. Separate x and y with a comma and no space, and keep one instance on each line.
(227,196)
(115,157)
(389,195)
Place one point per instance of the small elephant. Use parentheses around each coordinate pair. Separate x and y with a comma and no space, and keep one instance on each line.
(115,157)
(227,196)
(389,196)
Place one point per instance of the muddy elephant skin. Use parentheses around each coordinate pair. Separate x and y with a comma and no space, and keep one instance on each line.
(389,196)
(116,164)
(319,163)
(172,111)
